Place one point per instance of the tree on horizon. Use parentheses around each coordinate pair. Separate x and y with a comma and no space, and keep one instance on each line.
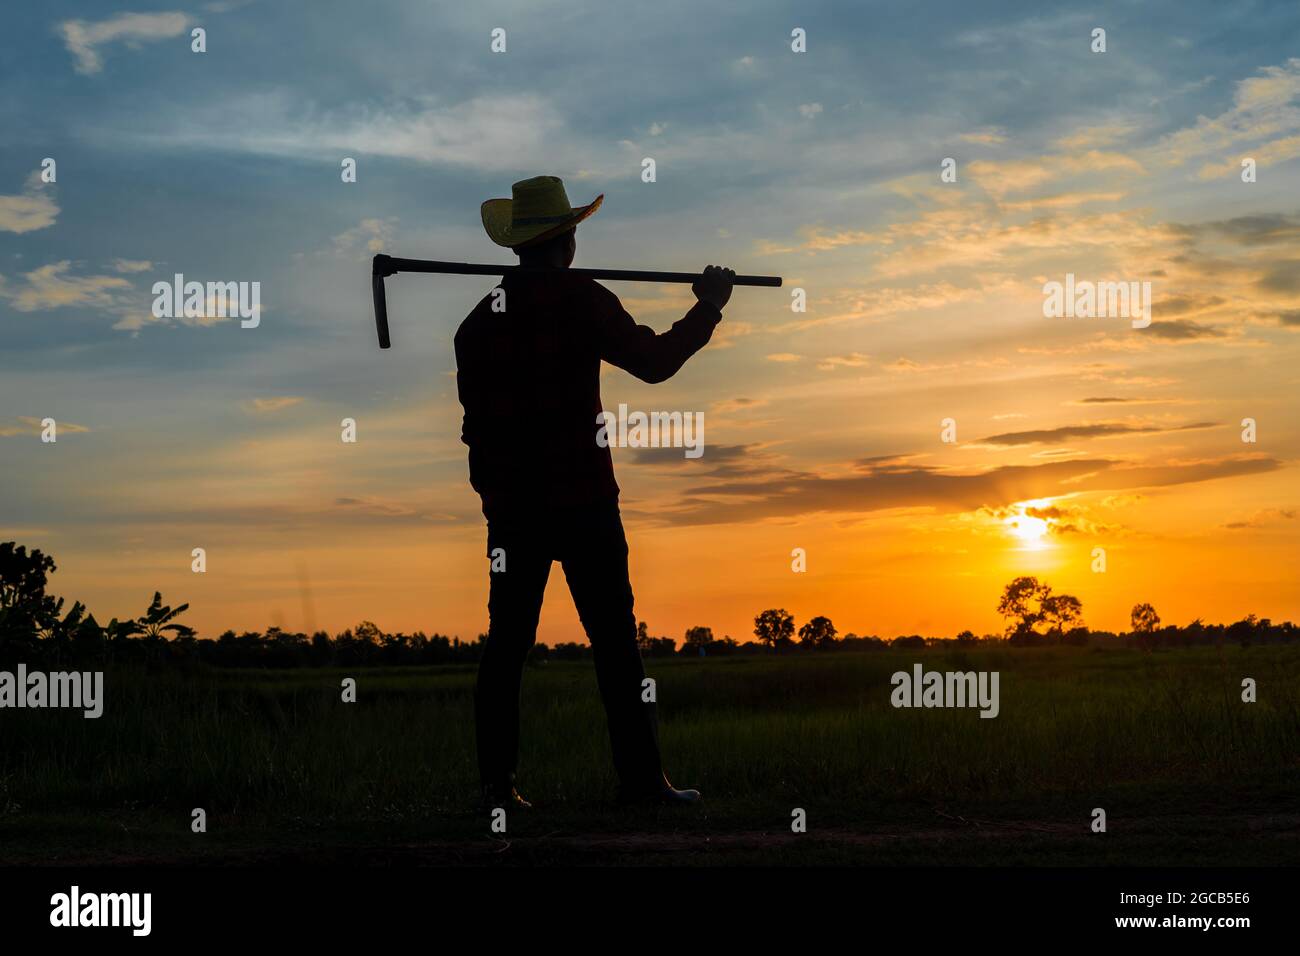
(1026,603)
(818,633)
(774,627)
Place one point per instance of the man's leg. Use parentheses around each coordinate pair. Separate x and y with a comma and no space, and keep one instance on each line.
(514,604)
(595,566)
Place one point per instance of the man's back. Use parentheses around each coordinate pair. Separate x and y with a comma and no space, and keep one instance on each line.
(529,382)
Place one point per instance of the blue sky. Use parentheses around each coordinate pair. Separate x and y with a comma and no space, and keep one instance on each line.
(821,167)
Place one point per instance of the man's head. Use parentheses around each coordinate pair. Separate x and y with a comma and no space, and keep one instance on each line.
(537,221)
(557,252)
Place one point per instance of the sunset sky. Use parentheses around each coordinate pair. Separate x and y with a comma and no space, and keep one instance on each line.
(822,428)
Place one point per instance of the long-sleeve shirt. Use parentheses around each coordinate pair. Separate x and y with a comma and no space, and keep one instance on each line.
(529,380)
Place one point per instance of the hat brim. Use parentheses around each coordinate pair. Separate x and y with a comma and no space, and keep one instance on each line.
(497,215)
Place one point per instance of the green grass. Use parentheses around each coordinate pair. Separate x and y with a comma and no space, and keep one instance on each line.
(1186,771)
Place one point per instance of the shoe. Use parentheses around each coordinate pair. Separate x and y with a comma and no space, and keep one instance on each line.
(503,798)
(665,795)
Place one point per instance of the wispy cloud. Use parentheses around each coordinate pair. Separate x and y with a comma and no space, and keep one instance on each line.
(1263,518)
(1094,430)
(1264,116)
(53,286)
(262,406)
(84,38)
(488,132)
(849,360)
(32,426)
(986,137)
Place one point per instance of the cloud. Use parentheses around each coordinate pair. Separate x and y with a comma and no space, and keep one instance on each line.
(851,360)
(883,302)
(33,426)
(1114,400)
(1262,122)
(809,110)
(1254,230)
(891,484)
(34,209)
(1269,154)
(816,240)
(134,322)
(215,311)
(1282,277)
(295,514)
(1290,318)
(738,404)
(997,178)
(1061,519)
(718,461)
(726,333)
(51,287)
(263,405)
(1264,518)
(986,137)
(1062,201)
(987,236)
(491,132)
(1097,430)
(1183,304)
(1092,137)
(132,265)
(784,357)
(1183,330)
(83,37)
(903,364)
(384,508)
(366,238)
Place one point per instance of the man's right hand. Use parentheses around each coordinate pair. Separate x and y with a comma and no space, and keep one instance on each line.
(714,287)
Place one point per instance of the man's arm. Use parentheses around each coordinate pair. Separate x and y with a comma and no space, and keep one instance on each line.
(655,358)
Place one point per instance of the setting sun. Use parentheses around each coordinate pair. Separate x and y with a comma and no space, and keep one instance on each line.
(1032,531)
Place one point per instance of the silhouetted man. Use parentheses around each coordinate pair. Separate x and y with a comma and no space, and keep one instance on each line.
(528,375)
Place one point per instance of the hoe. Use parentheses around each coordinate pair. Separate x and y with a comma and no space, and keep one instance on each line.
(388,265)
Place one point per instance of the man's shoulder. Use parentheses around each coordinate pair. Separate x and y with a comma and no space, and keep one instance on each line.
(599,290)
(477,315)
(600,299)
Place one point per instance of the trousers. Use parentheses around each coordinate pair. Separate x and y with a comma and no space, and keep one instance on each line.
(592,549)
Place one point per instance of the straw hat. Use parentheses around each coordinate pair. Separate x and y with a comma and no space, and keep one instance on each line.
(540,209)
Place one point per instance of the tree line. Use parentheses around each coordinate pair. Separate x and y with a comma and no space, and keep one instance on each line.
(35,629)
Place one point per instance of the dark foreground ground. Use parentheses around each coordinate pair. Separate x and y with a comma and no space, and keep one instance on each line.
(1187,773)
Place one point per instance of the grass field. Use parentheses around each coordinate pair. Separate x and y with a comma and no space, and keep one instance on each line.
(1187,772)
